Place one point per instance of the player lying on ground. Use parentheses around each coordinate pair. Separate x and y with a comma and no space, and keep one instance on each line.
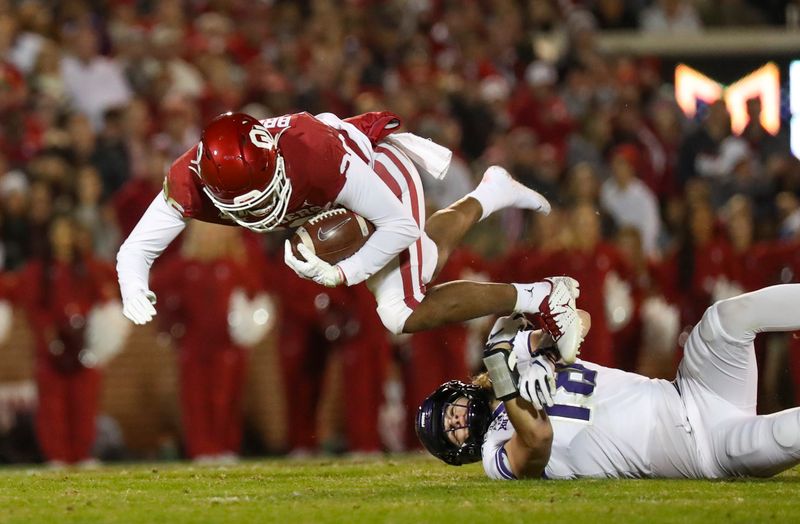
(585,420)
(280,172)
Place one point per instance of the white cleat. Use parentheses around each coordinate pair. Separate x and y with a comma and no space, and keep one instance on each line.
(573,285)
(560,318)
(513,194)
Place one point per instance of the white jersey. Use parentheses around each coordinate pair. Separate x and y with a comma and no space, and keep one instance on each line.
(606,423)
(609,423)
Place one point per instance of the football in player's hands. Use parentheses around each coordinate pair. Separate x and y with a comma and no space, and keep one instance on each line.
(333,235)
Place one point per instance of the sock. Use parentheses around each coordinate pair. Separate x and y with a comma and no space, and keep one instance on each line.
(487,197)
(530,296)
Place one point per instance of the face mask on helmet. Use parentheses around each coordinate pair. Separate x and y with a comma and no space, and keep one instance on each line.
(242,172)
(259,211)
(452,422)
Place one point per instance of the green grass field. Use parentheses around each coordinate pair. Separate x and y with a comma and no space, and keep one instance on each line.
(403,489)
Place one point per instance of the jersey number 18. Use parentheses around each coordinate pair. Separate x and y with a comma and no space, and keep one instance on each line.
(580,382)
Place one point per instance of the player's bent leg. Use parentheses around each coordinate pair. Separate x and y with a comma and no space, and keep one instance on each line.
(715,361)
(497,190)
(448,226)
(759,446)
(405,306)
(719,356)
(553,301)
(458,301)
(775,308)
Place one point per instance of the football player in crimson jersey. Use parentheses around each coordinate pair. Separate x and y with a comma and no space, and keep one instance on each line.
(586,420)
(279,172)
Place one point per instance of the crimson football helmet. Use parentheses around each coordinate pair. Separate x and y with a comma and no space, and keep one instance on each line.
(242,171)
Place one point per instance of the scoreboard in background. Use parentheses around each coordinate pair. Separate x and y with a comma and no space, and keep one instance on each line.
(733,64)
(776,84)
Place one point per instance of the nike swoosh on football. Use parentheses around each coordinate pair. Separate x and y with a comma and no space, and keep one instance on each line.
(325,234)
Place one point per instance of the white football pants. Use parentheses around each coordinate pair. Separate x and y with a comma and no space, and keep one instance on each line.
(718,381)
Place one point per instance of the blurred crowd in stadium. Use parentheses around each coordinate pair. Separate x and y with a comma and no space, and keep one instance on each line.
(655,215)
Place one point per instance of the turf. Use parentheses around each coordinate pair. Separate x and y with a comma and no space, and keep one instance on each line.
(403,489)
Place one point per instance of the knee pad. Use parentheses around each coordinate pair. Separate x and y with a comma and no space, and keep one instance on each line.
(745,438)
(786,428)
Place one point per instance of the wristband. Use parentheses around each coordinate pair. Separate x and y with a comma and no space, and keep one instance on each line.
(504,379)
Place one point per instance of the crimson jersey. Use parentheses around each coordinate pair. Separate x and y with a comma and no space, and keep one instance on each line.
(315,159)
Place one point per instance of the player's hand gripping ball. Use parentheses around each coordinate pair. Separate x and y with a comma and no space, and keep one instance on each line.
(333,235)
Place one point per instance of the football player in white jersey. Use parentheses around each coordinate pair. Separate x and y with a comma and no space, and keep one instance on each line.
(531,419)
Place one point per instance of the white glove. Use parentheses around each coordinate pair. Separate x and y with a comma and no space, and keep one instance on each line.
(514,329)
(506,328)
(137,305)
(538,385)
(313,267)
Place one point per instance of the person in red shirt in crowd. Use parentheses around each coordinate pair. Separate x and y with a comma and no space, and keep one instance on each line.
(365,352)
(212,360)
(590,260)
(770,262)
(531,258)
(538,106)
(438,354)
(137,193)
(578,252)
(665,118)
(627,335)
(58,293)
(754,265)
(647,334)
(314,324)
(697,264)
(303,351)
(21,135)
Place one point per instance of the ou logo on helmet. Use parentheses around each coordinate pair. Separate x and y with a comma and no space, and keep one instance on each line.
(262,138)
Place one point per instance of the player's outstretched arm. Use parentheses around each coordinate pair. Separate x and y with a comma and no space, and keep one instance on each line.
(528,450)
(522,377)
(157,228)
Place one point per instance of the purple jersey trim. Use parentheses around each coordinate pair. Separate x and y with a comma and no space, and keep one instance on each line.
(497,411)
(500,459)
